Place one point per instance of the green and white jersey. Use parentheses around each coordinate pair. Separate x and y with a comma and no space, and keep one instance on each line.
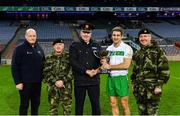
(117,55)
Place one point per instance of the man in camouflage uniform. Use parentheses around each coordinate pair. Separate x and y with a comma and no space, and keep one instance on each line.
(58,76)
(150,72)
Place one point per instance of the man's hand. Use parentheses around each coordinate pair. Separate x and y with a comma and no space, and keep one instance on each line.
(19,86)
(94,72)
(106,66)
(91,73)
(60,84)
(103,61)
(157,90)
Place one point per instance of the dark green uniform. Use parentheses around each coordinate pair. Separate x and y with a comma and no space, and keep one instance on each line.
(150,70)
(58,68)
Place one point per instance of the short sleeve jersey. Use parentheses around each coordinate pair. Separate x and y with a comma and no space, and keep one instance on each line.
(117,56)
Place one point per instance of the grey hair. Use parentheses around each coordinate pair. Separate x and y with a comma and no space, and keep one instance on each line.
(29,30)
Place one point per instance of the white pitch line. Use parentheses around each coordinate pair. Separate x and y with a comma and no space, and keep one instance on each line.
(175,77)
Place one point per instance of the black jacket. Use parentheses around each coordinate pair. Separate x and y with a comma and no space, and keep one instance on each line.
(83,58)
(27,63)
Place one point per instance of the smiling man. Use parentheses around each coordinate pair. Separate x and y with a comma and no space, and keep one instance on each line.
(58,77)
(27,66)
(120,60)
(150,72)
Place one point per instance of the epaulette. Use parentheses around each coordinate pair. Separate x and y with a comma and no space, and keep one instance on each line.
(74,43)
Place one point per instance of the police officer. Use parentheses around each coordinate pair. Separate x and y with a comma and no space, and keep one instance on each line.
(85,67)
(27,66)
(58,76)
(150,72)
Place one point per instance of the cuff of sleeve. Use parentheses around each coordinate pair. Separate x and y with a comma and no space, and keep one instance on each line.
(17,82)
(83,70)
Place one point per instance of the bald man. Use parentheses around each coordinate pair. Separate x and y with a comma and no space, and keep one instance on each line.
(27,65)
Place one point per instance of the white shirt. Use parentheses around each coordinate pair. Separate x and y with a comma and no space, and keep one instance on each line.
(117,55)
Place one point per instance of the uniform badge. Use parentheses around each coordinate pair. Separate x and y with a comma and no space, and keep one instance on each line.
(39,52)
(94,48)
(29,52)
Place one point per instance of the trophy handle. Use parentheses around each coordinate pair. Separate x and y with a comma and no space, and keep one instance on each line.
(108,54)
(95,53)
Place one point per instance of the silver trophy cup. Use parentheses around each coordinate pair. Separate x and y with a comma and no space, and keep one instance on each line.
(102,54)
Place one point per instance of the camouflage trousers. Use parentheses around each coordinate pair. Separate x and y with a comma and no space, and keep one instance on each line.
(147,101)
(62,96)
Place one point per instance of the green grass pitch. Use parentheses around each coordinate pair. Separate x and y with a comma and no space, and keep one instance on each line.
(169,105)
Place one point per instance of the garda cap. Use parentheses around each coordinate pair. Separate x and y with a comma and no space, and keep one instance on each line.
(86,27)
(59,40)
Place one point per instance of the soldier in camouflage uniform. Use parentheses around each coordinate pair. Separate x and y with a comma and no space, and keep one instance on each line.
(150,72)
(58,76)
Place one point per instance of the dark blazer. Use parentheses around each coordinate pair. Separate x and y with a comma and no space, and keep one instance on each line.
(83,58)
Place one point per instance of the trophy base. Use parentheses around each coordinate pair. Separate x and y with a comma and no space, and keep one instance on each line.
(104,71)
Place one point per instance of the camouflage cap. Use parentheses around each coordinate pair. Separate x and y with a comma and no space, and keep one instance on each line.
(144,31)
(59,40)
(86,27)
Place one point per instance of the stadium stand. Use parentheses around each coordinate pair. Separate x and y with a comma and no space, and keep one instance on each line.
(98,34)
(7,31)
(164,29)
(132,32)
(48,48)
(1,46)
(171,50)
(47,30)
(166,34)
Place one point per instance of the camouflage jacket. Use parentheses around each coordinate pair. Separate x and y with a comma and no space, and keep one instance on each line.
(57,68)
(150,66)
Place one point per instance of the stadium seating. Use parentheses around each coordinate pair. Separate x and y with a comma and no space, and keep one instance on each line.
(164,29)
(132,32)
(48,48)
(171,50)
(7,31)
(50,30)
(47,31)
(98,34)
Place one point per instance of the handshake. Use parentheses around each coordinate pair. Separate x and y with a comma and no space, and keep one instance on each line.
(103,68)
(92,72)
